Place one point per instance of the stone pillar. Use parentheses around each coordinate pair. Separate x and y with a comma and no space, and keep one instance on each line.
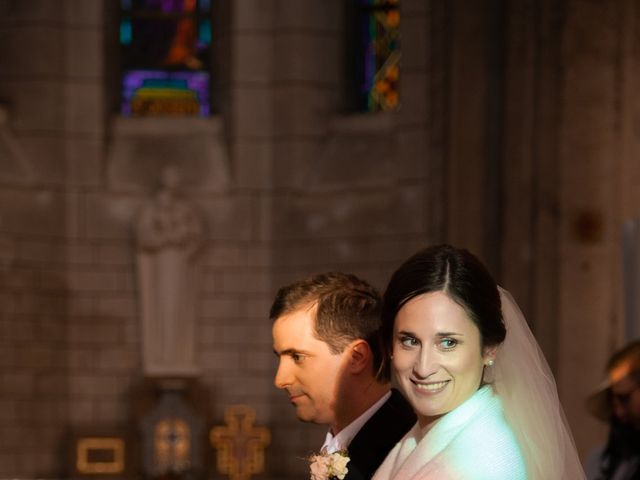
(590,275)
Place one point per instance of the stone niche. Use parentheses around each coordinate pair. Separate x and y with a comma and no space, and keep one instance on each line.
(141,147)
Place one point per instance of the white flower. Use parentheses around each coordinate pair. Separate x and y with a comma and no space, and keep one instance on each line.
(328,465)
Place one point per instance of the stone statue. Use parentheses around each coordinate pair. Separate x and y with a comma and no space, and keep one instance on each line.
(169,234)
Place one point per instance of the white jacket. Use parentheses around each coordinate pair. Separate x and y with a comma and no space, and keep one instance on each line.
(472,442)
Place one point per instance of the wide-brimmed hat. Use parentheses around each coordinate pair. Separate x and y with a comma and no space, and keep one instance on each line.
(623,363)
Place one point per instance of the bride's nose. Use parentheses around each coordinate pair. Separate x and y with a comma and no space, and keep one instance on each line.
(425,364)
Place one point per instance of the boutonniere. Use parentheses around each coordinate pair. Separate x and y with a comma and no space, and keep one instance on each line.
(329,465)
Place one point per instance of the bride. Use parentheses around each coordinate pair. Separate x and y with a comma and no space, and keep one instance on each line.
(462,353)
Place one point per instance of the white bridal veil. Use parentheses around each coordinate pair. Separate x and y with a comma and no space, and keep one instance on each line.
(523,380)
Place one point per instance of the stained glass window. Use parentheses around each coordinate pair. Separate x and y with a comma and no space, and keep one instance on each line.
(377,55)
(165,53)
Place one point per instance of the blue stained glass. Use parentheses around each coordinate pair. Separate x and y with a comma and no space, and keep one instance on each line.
(205,5)
(126,31)
(204,32)
(126,4)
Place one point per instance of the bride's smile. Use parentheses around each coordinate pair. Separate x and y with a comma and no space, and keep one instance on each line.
(431,388)
(438,358)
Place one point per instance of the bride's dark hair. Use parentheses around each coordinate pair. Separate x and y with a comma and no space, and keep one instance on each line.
(455,272)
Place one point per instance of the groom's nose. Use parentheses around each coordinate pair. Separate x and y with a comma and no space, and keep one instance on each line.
(283,376)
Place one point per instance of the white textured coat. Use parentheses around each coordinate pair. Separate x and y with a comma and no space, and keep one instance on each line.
(472,442)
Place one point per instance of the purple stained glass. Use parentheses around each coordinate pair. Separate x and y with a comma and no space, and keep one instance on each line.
(164,6)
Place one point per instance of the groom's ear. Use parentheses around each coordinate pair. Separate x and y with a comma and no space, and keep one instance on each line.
(359,355)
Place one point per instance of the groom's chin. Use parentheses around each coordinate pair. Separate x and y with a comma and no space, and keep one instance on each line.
(306,415)
(303,415)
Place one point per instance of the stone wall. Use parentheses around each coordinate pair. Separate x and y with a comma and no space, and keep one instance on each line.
(54,119)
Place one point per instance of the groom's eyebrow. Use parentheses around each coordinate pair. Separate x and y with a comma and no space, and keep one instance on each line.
(288,351)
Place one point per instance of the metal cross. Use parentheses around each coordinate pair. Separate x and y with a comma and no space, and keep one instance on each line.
(240,444)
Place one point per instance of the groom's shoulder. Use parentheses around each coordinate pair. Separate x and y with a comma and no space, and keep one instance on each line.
(389,424)
(378,436)
(397,410)
(398,405)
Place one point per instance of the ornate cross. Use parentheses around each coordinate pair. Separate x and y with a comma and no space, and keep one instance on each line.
(240,444)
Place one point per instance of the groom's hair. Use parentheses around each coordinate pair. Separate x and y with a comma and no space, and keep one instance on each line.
(346,309)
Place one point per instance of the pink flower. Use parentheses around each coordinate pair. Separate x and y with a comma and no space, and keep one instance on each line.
(327,465)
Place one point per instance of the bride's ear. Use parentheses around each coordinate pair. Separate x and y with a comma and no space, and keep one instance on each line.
(359,355)
(489,354)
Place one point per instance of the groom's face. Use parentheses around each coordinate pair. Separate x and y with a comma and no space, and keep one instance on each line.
(307,369)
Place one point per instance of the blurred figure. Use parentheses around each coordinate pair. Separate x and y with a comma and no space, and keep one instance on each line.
(617,402)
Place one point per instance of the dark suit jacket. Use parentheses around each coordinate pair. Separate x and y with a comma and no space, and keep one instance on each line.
(378,436)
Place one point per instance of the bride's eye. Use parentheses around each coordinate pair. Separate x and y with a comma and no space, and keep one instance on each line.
(448,343)
(408,341)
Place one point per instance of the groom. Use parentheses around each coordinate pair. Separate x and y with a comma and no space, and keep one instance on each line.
(325,331)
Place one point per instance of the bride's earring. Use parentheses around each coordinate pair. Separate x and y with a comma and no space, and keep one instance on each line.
(490,363)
